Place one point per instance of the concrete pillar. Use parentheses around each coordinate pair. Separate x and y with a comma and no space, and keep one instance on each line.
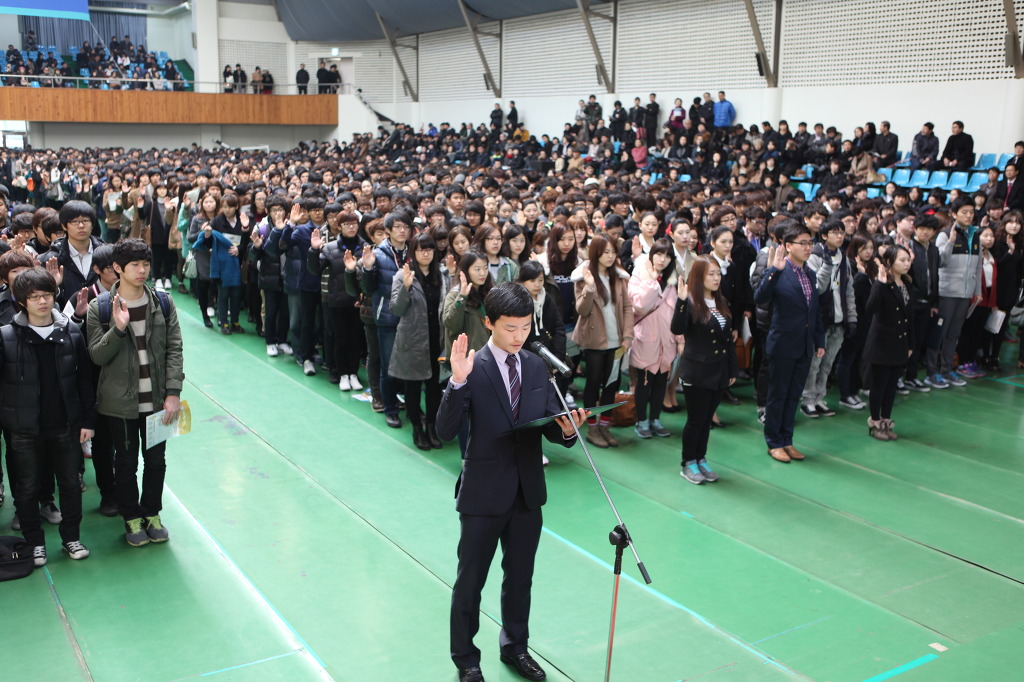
(205,25)
(1012,128)
(771,106)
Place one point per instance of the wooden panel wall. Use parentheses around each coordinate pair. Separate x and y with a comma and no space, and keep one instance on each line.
(129,106)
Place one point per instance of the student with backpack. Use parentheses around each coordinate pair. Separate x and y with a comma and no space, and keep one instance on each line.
(138,348)
(47,408)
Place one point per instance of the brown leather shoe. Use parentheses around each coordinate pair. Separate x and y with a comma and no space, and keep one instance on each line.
(793,452)
(778,454)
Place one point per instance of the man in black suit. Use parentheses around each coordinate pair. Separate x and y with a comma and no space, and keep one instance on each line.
(1010,191)
(501,489)
(795,335)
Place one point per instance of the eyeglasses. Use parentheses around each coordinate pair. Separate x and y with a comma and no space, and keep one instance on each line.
(81,222)
(38,297)
(803,242)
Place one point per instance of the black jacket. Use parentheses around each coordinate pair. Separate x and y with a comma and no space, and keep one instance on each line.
(891,336)
(329,263)
(74,280)
(709,358)
(551,330)
(1015,201)
(960,148)
(1010,267)
(924,275)
(20,384)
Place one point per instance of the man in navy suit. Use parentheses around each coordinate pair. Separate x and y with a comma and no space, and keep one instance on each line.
(795,335)
(501,489)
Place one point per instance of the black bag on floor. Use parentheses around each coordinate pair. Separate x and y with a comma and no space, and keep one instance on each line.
(15,558)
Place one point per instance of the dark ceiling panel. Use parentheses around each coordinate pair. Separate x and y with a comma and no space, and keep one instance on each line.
(347,20)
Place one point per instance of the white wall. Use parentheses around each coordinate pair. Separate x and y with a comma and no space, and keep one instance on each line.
(9,34)
(173,35)
(207,65)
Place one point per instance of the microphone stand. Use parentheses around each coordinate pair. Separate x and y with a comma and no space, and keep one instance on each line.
(619,536)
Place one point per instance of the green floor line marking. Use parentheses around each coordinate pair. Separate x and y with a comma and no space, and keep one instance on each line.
(889,674)
(72,639)
(302,644)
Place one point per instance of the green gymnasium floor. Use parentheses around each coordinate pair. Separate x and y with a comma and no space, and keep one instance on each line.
(310,542)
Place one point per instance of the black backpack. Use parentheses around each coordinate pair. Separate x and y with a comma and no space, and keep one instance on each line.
(15,558)
(104,306)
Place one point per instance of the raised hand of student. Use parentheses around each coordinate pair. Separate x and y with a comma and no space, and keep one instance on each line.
(82,303)
(407,276)
(882,275)
(682,290)
(55,269)
(461,362)
(464,285)
(777,257)
(296,214)
(588,278)
(369,259)
(449,262)
(256,238)
(244,219)
(637,247)
(119,312)
(350,260)
(316,240)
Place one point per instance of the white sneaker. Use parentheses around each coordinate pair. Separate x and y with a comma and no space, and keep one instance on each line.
(159,284)
(353,382)
(272,350)
(39,555)
(210,312)
(50,512)
(308,368)
(167,283)
(284,348)
(343,383)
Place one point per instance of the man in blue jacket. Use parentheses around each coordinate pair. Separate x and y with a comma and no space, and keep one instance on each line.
(725,114)
(301,286)
(388,259)
(795,336)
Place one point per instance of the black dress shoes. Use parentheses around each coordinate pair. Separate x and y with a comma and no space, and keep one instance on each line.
(393,420)
(470,675)
(730,398)
(525,666)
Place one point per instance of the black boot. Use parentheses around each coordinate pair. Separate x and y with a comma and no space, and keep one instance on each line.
(435,442)
(419,437)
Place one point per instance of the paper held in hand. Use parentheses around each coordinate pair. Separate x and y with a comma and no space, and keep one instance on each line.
(157,432)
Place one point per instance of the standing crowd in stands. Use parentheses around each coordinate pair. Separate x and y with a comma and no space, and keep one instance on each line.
(672,274)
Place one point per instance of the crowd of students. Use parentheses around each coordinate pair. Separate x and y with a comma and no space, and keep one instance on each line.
(119,65)
(380,252)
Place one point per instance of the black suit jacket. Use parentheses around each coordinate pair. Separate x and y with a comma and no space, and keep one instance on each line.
(1016,199)
(891,335)
(709,358)
(796,329)
(498,461)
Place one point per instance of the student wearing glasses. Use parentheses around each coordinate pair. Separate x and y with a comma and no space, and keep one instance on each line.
(489,242)
(795,336)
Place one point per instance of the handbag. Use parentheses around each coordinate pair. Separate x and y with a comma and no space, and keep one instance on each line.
(624,415)
(191,269)
(1017,311)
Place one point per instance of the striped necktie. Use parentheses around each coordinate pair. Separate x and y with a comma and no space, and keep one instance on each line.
(513,385)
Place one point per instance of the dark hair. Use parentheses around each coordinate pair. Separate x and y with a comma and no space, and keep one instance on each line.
(511,232)
(16,259)
(482,233)
(960,203)
(508,299)
(130,250)
(889,257)
(396,216)
(794,232)
(663,245)
(103,257)
(424,242)
(556,264)
(530,271)
(718,232)
(1013,216)
(76,209)
(598,244)
(476,295)
(695,282)
(311,203)
(31,281)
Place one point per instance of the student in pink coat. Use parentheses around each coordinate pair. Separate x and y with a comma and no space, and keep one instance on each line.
(653,295)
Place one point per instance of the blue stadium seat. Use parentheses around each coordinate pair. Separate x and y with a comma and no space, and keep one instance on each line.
(976,181)
(808,170)
(957,180)
(1003,160)
(104,86)
(919,178)
(905,156)
(805,187)
(35,84)
(685,178)
(985,161)
(616,145)
(886,173)
(902,177)
(84,72)
(874,192)
(937,179)
(33,54)
(814,190)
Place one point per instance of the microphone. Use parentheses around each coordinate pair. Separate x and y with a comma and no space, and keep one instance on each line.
(549,357)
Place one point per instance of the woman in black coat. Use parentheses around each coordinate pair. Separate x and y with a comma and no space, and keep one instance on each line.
(890,337)
(1008,251)
(708,363)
